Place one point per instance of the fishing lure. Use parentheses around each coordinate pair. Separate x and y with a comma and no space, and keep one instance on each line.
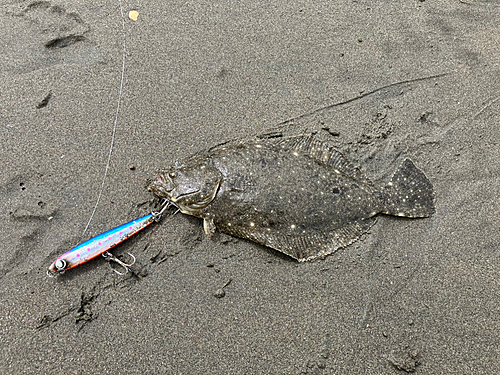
(100,244)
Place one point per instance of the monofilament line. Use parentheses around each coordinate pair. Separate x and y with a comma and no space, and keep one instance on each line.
(114,125)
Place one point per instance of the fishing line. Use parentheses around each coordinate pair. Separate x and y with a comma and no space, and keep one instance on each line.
(114,125)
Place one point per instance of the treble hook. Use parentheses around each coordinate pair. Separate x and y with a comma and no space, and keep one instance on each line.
(110,256)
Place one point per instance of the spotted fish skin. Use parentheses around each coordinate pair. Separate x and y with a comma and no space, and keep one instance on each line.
(296,194)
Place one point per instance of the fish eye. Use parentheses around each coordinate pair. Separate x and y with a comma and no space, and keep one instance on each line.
(172,175)
(60,264)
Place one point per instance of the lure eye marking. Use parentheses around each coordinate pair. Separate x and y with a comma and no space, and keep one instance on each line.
(60,265)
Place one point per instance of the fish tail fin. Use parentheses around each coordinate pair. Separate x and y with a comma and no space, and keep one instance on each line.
(410,193)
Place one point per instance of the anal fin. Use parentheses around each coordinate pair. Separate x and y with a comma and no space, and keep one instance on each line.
(315,244)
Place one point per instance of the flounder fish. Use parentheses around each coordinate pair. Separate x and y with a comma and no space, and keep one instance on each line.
(294,194)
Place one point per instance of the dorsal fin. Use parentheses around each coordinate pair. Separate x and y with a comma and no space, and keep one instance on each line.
(323,153)
(305,144)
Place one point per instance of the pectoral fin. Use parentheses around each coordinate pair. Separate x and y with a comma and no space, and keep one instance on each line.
(209,226)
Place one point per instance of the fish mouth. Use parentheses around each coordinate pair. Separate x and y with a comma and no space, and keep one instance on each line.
(159,178)
(159,186)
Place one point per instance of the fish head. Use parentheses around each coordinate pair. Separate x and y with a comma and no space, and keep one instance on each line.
(190,187)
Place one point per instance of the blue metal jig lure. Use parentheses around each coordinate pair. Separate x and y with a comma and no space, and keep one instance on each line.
(100,244)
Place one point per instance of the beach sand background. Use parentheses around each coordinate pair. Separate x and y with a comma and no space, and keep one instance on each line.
(382,81)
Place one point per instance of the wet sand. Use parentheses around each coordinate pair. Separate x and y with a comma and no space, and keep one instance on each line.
(381,82)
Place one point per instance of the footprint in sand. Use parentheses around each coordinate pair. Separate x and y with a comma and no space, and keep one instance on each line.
(39,34)
(27,212)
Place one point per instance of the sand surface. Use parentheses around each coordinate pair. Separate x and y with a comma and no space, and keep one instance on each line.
(382,81)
